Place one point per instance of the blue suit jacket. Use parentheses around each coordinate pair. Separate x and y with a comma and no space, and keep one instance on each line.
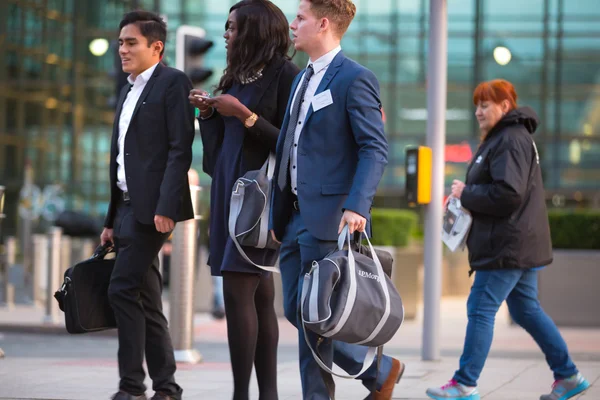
(342,152)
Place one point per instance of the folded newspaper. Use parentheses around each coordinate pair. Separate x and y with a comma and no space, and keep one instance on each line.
(457,222)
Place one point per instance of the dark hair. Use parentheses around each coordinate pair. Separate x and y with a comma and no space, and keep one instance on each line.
(263,34)
(151,26)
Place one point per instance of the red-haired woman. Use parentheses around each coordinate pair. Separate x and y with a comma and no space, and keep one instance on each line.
(508,242)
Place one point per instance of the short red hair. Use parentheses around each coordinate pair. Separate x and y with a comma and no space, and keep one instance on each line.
(496,91)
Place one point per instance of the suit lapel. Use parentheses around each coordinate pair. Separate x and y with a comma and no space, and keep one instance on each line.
(146,90)
(269,73)
(332,70)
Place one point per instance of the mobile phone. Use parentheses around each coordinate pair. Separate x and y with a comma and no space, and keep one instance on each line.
(202,96)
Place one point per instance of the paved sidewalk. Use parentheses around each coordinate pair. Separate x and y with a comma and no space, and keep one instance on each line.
(94,379)
(516,369)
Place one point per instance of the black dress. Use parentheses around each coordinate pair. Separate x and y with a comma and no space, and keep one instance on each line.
(229,166)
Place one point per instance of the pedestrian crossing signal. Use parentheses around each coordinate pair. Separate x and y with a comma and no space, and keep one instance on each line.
(418,175)
(191,47)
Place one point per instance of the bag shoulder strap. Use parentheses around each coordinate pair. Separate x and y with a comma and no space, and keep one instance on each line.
(235,209)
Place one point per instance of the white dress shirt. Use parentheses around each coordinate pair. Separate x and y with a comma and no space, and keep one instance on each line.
(320,68)
(129,104)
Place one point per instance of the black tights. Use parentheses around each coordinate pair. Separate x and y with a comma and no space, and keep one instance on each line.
(252,332)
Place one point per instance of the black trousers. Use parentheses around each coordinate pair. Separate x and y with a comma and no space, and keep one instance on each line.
(135,295)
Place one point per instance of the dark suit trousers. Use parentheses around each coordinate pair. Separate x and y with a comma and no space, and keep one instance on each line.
(135,295)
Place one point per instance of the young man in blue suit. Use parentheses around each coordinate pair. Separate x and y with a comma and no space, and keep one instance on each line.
(331,155)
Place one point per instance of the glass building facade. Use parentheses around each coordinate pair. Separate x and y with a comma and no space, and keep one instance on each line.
(57,98)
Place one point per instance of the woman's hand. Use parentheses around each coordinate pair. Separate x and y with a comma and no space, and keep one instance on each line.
(457,188)
(200,102)
(229,106)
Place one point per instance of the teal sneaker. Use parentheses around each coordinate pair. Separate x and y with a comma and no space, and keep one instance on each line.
(566,388)
(453,391)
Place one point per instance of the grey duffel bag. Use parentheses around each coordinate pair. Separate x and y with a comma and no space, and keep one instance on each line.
(249,213)
(346,296)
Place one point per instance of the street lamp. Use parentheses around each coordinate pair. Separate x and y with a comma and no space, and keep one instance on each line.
(99,47)
(3,265)
(2,190)
(502,55)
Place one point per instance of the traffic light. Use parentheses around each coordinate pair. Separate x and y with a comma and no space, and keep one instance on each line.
(191,46)
(418,175)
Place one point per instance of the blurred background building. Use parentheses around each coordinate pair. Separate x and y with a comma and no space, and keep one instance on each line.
(59,76)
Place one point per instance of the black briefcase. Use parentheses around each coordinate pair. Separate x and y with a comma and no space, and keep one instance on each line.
(83,296)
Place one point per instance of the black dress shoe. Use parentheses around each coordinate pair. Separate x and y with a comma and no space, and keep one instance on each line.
(126,396)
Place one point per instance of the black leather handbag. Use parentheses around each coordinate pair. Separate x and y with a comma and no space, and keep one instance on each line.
(83,296)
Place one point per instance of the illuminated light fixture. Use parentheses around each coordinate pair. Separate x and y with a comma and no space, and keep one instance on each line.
(575,152)
(52,59)
(502,55)
(52,14)
(99,47)
(586,145)
(51,103)
(588,130)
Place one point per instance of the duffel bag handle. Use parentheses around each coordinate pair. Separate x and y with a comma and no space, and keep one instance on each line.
(345,234)
(102,250)
(382,280)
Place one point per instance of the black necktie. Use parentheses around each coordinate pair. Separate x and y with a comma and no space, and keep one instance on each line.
(291,129)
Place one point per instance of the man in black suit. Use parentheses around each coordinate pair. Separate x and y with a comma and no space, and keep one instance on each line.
(150,157)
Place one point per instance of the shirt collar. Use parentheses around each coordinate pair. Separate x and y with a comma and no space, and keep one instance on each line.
(324,61)
(143,77)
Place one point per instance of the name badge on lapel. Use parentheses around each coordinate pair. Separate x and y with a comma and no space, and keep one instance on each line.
(322,100)
(479,160)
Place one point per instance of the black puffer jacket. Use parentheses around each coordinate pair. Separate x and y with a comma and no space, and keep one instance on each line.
(505,194)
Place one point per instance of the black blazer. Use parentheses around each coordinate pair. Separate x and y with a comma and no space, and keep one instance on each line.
(269,104)
(158,150)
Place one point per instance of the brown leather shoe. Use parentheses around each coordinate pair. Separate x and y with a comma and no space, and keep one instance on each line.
(161,396)
(385,393)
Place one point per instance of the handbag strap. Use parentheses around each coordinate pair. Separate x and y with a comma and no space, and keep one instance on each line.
(353,288)
(384,286)
(369,357)
(270,163)
(235,209)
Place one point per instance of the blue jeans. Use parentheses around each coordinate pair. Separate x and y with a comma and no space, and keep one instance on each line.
(298,250)
(218,300)
(519,289)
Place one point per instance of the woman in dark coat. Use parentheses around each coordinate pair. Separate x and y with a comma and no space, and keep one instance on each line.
(239,129)
(508,242)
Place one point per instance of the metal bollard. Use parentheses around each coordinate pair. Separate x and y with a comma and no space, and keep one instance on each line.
(161,260)
(75,252)
(40,268)
(87,249)
(52,308)
(10,258)
(181,285)
(65,254)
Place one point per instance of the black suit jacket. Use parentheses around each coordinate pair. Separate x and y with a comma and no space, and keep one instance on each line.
(269,104)
(158,149)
